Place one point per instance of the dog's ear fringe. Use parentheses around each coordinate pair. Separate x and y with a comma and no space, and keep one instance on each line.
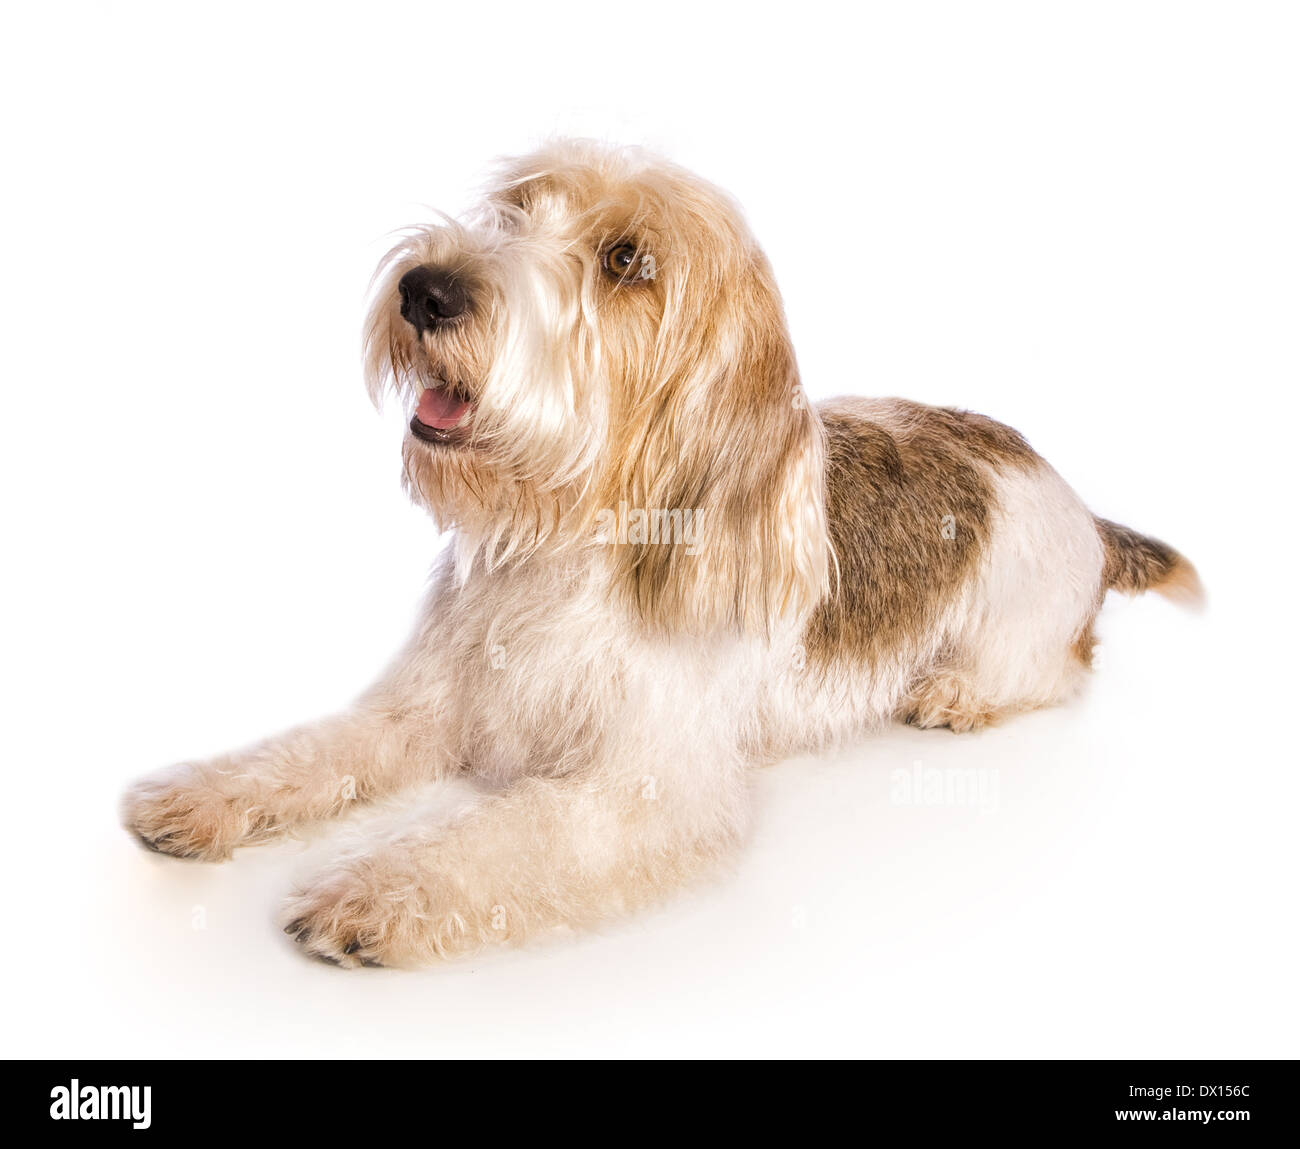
(761,554)
(734,442)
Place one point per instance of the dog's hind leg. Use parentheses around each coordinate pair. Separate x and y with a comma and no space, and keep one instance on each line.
(948,697)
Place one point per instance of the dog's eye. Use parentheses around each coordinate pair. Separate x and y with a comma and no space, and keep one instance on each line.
(619,260)
(623,262)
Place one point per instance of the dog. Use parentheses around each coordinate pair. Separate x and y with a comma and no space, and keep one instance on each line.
(667,568)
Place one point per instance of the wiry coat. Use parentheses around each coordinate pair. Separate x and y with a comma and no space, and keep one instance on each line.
(617,342)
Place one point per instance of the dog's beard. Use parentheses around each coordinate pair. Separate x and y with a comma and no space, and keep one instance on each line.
(505,408)
(481,479)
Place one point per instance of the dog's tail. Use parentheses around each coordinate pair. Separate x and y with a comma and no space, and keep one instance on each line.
(1137,563)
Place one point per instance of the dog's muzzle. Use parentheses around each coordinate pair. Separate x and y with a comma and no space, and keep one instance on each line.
(431,297)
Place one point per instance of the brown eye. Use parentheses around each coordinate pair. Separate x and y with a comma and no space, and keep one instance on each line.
(620,260)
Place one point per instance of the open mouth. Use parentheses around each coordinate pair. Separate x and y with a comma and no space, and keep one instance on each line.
(440,414)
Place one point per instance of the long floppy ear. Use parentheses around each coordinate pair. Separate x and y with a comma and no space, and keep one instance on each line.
(723,442)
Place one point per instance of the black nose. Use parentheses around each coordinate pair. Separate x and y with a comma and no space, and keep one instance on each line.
(429,296)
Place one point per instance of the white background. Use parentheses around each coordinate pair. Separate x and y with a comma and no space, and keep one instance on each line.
(1079,218)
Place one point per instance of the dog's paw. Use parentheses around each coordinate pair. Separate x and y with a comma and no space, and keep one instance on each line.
(946,700)
(184,813)
(376,911)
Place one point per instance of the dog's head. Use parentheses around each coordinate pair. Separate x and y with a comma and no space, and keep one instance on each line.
(598,355)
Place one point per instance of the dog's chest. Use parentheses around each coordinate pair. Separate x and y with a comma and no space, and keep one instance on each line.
(547,671)
(537,660)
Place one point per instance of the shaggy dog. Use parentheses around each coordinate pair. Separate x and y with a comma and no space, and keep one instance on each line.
(667,568)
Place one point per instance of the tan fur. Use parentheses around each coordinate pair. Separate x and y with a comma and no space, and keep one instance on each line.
(610,682)
(1085,644)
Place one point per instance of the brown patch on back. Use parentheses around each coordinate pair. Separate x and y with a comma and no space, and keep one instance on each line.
(977,435)
(908,504)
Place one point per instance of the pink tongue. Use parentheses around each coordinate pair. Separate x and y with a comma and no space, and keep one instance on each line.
(439,409)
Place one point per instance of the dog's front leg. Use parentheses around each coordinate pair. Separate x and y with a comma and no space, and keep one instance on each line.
(549,852)
(205,809)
